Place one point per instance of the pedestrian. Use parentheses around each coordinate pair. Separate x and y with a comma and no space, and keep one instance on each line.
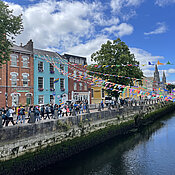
(52,110)
(102,104)
(42,111)
(9,115)
(19,116)
(23,114)
(47,112)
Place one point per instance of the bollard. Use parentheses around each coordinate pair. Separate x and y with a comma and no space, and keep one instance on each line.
(1,119)
(99,107)
(32,117)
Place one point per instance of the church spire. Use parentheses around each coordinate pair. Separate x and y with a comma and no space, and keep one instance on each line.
(164,78)
(156,75)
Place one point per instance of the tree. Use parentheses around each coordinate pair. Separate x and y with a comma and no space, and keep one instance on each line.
(116,53)
(10,26)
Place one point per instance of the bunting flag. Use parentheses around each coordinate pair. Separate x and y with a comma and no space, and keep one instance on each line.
(149,63)
(169,63)
(56,80)
(158,63)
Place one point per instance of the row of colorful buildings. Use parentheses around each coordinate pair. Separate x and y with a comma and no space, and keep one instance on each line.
(35,76)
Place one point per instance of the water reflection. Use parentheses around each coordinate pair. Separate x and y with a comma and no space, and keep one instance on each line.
(150,151)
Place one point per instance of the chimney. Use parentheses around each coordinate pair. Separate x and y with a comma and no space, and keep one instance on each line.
(21,45)
(29,46)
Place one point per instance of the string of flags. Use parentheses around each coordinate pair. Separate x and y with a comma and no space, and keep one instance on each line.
(92,80)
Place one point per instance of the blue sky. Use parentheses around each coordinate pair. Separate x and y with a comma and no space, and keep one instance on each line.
(80,27)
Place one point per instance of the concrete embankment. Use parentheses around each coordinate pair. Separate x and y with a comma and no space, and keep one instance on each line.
(25,148)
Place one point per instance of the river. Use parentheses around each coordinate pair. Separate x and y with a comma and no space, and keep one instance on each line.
(148,152)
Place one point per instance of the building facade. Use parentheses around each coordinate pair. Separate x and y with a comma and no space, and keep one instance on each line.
(78,90)
(50,78)
(16,77)
(97,94)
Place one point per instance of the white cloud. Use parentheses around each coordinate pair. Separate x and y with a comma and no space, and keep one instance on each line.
(58,24)
(162,28)
(87,49)
(117,5)
(162,3)
(171,71)
(144,57)
(65,24)
(120,30)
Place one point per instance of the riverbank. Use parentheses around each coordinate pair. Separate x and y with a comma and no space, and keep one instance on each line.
(67,139)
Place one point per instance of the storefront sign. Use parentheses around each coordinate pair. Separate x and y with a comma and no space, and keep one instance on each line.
(22,91)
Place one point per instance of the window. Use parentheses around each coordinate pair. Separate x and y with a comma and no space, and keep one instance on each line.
(92,93)
(52,68)
(40,66)
(14,60)
(82,61)
(72,59)
(77,60)
(75,73)
(51,83)
(81,86)
(41,99)
(75,86)
(25,79)
(28,99)
(62,68)
(25,61)
(14,79)
(62,84)
(51,99)
(102,93)
(40,83)
(85,87)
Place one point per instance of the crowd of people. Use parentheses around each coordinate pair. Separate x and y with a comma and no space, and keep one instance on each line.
(19,114)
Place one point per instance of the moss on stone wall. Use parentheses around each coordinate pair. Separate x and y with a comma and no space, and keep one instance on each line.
(42,157)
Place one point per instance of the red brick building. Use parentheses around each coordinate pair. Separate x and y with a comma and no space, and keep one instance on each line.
(16,77)
(77,90)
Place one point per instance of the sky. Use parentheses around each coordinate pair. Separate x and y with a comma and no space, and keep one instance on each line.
(80,27)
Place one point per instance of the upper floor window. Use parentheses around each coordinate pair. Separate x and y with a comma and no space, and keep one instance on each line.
(25,61)
(71,59)
(40,83)
(62,84)
(25,79)
(85,87)
(81,86)
(14,59)
(40,66)
(51,84)
(75,73)
(52,68)
(14,78)
(77,60)
(75,86)
(62,68)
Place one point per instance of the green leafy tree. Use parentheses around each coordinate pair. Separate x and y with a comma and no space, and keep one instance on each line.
(116,53)
(10,26)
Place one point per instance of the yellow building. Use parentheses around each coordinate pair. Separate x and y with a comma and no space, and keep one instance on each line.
(97,94)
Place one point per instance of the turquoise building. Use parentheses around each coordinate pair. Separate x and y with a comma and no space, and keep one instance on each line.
(50,78)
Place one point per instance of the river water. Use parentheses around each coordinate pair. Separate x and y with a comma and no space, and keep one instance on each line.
(149,152)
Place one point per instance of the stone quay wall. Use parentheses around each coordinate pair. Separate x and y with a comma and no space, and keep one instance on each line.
(32,146)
